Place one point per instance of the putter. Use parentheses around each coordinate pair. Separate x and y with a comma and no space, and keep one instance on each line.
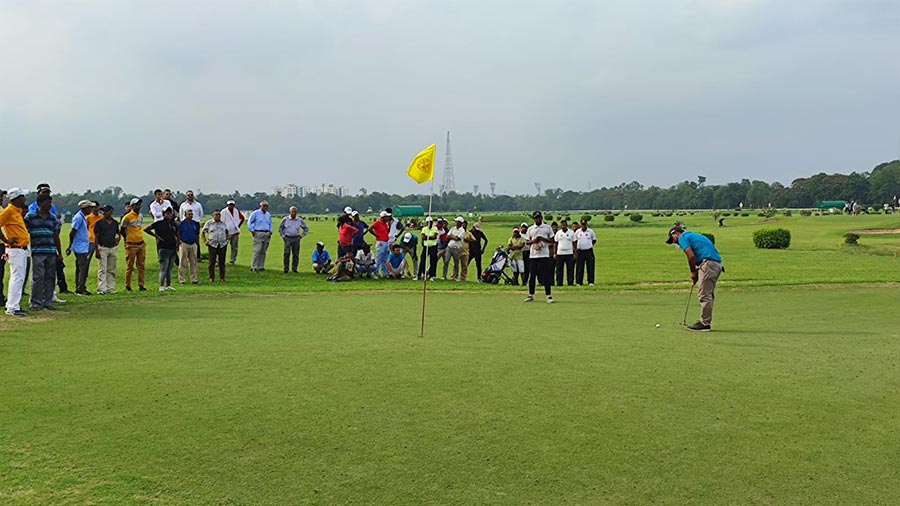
(687,306)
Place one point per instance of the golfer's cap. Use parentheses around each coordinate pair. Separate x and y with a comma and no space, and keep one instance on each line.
(673,230)
(407,236)
(515,229)
(524,224)
(537,214)
(320,243)
(135,201)
(168,210)
(229,202)
(354,213)
(43,186)
(459,219)
(107,207)
(82,204)
(348,210)
(15,193)
(382,214)
(429,219)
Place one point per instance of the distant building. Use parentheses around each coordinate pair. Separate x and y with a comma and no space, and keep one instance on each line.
(292,190)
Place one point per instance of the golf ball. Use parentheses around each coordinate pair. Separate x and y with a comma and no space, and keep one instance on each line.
(657,325)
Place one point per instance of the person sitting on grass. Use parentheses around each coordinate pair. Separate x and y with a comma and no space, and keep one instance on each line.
(396,264)
(321,259)
(345,268)
(365,261)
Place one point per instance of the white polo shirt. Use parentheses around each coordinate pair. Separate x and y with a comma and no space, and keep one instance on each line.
(586,239)
(565,242)
(196,207)
(539,249)
(157,209)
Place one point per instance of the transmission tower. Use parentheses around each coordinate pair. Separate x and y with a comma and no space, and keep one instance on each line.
(475,189)
(493,188)
(538,187)
(449,183)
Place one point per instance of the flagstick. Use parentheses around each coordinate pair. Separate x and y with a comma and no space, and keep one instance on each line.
(427,257)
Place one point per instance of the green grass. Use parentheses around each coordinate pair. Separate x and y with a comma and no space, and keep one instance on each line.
(293,399)
(285,389)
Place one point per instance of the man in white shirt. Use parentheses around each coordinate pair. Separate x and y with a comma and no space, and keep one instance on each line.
(565,254)
(454,246)
(233,219)
(159,205)
(193,205)
(539,238)
(584,253)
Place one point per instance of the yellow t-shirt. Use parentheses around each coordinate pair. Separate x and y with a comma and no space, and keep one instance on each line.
(134,227)
(14,226)
(91,219)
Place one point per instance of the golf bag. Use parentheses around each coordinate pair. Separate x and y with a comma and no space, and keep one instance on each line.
(496,271)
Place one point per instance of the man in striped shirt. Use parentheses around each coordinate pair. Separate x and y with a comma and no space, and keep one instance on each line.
(43,229)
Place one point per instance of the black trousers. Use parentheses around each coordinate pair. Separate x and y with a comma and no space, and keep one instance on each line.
(526,256)
(2,272)
(585,258)
(429,253)
(567,263)
(217,257)
(476,255)
(541,269)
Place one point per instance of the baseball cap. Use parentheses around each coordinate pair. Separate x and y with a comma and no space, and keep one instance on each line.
(382,214)
(15,193)
(43,186)
(537,214)
(407,236)
(135,201)
(229,202)
(107,207)
(320,243)
(354,213)
(348,210)
(84,203)
(459,219)
(515,229)
(429,219)
(524,224)
(676,228)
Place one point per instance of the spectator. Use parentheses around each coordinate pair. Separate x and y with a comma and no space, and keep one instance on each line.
(345,268)
(166,233)
(454,246)
(233,219)
(43,227)
(260,226)
(346,233)
(396,227)
(60,264)
(321,259)
(526,253)
(429,250)
(515,245)
(106,245)
(167,196)
(443,244)
(409,242)
(584,254)
(467,241)
(565,254)
(359,238)
(135,247)
(79,243)
(159,205)
(478,247)
(2,254)
(15,235)
(189,233)
(539,237)
(191,204)
(365,261)
(92,219)
(292,230)
(396,264)
(215,237)
(381,230)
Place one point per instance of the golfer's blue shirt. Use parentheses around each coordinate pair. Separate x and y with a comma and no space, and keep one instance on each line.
(703,247)
(81,242)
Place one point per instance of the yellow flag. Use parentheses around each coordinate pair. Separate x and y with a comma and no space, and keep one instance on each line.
(422,167)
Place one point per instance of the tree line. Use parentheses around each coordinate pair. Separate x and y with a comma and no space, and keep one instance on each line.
(872,188)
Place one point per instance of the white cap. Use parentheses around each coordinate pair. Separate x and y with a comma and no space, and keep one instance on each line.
(429,219)
(135,201)
(459,219)
(15,193)
(84,204)
(354,213)
(407,236)
(525,225)
(229,202)
(382,214)
(348,210)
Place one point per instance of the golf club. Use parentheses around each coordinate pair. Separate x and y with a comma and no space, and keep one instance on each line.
(687,306)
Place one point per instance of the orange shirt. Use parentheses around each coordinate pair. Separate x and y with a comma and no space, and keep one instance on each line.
(14,225)
(91,219)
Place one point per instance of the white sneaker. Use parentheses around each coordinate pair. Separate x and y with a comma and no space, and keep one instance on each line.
(415,278)
(172,288)
(549,300)
(162,289)
(590,284)
(57,299)
(530,298)
(432,278)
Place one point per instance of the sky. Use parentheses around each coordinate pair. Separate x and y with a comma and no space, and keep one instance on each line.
(223,95)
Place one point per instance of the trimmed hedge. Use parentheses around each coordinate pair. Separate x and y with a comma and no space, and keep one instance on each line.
(608,217)
(636,217)
(851,238)
(772,238)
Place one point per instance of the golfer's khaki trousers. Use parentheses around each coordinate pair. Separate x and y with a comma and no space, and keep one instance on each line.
(706,288)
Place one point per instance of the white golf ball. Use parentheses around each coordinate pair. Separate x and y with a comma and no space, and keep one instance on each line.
(657,325)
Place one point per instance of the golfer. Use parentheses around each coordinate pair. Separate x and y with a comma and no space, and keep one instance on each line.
(705,264)
(539,238)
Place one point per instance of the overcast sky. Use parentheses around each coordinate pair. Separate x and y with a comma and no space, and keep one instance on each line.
(223,95)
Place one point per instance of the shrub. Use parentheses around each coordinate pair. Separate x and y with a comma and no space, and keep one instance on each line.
(586,217)
(745,214)
(711,237)
(805,212)
(787,212)
(656,215)
(761,215)
(668,214)
(608,217)
(772,238)
(726,214)
(636,217)
(851,238)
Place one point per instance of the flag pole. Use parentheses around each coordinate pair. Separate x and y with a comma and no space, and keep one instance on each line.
(427,256)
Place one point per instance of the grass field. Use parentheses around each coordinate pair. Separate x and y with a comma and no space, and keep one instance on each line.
(284,389)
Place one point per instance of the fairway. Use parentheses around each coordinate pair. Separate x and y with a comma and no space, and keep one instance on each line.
(328,398)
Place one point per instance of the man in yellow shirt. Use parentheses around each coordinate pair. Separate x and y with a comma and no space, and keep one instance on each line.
(135,249)
(14,234)
(91,219)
